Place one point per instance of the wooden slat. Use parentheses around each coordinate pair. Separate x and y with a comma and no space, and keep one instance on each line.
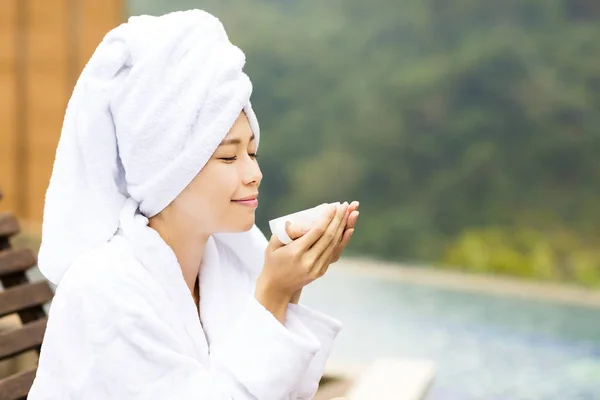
(4,243)
(20,340)
(26,315)
(13,265)
(12,261)
(24,296)
(8,225)
(17,386)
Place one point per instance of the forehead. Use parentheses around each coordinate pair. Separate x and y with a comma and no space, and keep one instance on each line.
(241,128)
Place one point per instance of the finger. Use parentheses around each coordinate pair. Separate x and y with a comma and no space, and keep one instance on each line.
(353,206)
(332,250)
(274,243)
(352,220)
(311,237)
(341,228)
(327,258)
(327,239)
(294,231)
(340,248)
(342,225)
(345,240)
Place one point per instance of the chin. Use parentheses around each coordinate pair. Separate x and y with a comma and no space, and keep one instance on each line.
(239,228)
(248,226)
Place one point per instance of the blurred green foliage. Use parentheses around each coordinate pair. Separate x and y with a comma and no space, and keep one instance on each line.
(556,256)
(468,129)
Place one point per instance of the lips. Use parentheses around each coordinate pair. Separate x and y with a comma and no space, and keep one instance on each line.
(248,198)
(250,201)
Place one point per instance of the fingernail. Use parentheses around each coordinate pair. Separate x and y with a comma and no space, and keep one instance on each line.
(357,204)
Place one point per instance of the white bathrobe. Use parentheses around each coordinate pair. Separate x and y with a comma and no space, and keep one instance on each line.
(151,106)
(123,325)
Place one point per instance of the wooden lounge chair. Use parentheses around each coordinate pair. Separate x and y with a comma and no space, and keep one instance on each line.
(22,316)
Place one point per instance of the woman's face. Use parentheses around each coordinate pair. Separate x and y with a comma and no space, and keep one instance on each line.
(223,196)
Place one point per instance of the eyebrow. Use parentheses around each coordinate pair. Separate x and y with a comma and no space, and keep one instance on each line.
(235,141)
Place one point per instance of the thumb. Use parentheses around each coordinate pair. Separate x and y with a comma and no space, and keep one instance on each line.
(294,231)
(274,243)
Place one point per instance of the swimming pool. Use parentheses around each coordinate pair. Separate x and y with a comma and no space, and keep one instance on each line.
(484,346)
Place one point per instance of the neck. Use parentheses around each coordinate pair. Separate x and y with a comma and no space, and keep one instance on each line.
(188,248)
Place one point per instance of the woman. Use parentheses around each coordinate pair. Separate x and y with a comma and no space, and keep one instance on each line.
(166,288)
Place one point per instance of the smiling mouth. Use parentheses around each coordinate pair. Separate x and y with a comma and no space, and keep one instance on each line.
(248,198)
(251,202)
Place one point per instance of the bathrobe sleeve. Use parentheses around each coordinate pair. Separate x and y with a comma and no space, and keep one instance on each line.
(264,356)
(108,341)
(310,323)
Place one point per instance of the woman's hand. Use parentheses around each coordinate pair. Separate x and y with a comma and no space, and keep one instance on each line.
(288,268)
(348,232)
(294,232)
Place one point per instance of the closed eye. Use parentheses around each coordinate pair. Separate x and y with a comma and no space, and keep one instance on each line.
(254,156)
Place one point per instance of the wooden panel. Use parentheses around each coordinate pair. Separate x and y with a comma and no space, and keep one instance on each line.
(7,23)
(17,341)
(24,296)
(17,386)
(13,261)
(61,36)
(8,225)
(47,84)
(70,28)
(7,103)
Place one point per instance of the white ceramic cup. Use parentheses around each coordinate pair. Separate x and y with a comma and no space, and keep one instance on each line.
(304,219)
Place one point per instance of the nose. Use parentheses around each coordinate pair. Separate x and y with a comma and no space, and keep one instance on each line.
(251,173)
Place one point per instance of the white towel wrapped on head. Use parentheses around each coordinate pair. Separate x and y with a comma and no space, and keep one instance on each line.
(167,90)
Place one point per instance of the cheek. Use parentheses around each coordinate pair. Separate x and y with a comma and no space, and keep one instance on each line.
(212,192)
(203,199)
(223,188)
